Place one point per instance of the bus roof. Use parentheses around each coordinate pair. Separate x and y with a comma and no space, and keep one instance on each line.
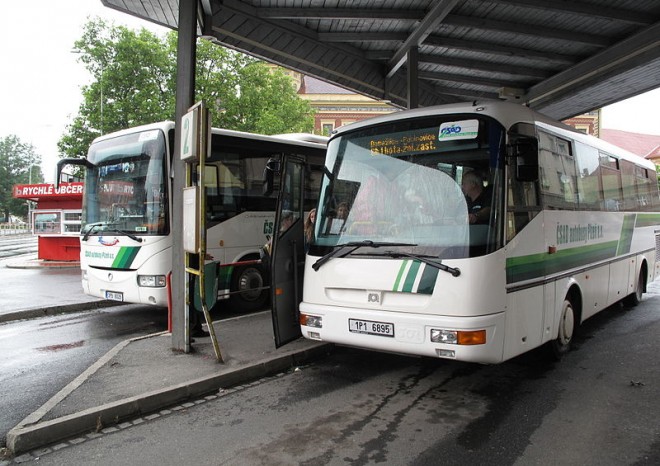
(508,114)
(301,139)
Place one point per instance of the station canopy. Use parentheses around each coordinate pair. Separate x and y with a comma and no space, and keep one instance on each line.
(560,57)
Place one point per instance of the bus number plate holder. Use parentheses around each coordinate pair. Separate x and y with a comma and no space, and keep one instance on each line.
(369,327)
(114,295)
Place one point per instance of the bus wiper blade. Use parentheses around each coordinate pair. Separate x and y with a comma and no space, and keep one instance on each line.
(455,271)
(341,250)
(93,226)
(126,233)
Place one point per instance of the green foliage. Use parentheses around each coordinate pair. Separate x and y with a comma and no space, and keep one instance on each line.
(19,164)
(135,83)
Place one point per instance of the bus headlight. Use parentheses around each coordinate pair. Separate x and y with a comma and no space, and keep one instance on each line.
(151,281)
(458,337)
(311,321)
(84,274)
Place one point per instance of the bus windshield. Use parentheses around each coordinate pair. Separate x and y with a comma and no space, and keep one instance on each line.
(432,187)
(125,190)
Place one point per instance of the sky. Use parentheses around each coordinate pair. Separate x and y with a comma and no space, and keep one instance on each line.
(41,79)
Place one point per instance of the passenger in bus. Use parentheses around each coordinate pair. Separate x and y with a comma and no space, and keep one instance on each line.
(477,196)
(309,228)
(339,221)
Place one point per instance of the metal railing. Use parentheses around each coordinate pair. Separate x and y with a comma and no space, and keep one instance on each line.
(7,229)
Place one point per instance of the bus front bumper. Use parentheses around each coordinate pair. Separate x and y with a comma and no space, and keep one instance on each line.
(477,339)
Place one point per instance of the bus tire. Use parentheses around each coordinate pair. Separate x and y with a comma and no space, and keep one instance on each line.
(243,283)
(634,298)
(566,330)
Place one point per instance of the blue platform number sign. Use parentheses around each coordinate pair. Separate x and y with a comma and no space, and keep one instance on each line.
(189,139)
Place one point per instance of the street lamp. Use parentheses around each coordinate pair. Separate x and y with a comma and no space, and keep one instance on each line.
(82,52)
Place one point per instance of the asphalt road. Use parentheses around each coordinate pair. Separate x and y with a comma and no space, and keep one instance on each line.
(38,357)
(599,406)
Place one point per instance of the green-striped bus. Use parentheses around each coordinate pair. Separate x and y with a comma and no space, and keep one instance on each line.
(474,232)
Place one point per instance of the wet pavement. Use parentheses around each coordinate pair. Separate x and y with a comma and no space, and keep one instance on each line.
(141,375)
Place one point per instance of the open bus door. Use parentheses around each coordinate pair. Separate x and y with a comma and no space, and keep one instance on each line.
(288,249)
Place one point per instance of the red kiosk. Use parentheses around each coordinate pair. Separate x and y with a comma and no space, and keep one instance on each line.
(56,219)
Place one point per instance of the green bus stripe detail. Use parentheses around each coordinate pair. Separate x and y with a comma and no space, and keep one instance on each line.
(538,265)
(404,264)
(125,257)
(647,220)
(410,278)
(625,238)
(427,282)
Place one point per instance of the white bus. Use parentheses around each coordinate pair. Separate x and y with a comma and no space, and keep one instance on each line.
(126,241)
(567,226)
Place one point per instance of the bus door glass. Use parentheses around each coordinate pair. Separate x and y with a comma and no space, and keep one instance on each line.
(288,252)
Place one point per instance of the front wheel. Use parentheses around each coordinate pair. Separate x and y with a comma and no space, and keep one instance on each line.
(562,344)
(248,284)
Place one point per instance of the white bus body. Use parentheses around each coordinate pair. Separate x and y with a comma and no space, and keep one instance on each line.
(126,242)
(562,239)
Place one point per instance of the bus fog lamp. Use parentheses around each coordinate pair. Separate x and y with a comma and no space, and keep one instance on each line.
(84,274)
(439,335)
(311,321)
(445,353)
(151,281)
(314,335)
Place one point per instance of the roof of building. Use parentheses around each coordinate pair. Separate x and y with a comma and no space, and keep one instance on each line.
(311,85)
(637,143)
(654,154)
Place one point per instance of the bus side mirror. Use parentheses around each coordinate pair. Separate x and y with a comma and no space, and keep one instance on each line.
(272,167)
(82,162)
(525,153)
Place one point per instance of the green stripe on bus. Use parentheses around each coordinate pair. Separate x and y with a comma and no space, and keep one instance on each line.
(625,238)
(399,275)
(647,220)
(125,257)
(538,265)
(427,282)
(410,277)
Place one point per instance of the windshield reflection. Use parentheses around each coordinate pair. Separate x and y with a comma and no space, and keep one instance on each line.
(410,192)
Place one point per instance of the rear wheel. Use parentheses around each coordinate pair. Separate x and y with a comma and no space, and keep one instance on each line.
(562,344)
(248,283)
(635,297)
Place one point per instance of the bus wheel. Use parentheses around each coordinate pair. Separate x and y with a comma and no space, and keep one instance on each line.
(635,297)
(562,344)
(248,283)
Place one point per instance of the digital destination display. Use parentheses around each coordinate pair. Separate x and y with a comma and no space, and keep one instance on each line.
(423,140)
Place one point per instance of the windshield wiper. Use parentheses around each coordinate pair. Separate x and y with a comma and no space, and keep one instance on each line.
(340,250)
(126,233)
(455,271)
(92,227)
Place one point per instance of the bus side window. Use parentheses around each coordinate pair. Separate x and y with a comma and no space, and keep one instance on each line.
(558,178)
(522,205)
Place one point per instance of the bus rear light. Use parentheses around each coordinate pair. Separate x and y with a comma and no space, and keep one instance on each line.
(458,337)
(311,321)
(152,281)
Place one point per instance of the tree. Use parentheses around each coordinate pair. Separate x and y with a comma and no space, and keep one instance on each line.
(132,84)
(19,164)
(135,81)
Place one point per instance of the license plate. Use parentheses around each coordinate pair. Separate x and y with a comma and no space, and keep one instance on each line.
(370,327)
(114,295)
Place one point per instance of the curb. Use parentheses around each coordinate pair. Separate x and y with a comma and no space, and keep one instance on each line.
(53,310)
(24,438)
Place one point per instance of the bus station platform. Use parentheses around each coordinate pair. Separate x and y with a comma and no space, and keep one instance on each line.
(144,378)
